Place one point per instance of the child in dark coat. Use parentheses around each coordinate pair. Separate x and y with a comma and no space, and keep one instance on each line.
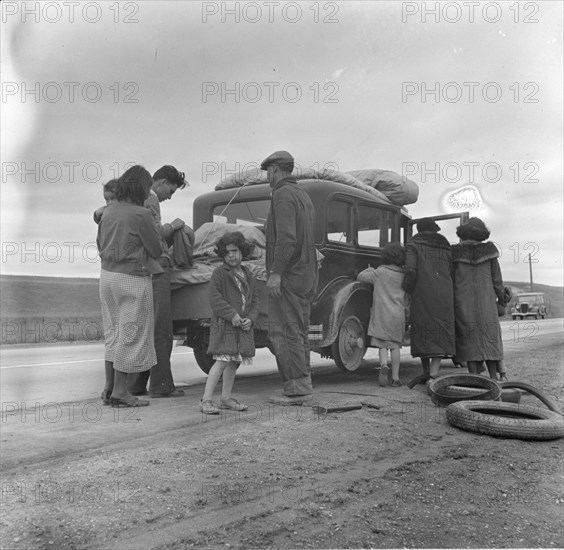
(234,303)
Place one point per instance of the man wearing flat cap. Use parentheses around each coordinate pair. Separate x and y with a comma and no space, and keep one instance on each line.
(291,263)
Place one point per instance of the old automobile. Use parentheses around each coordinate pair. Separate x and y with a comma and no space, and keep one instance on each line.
(531,305)
(351,227)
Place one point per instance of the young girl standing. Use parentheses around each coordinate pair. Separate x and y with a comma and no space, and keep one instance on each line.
(387,317)
(234,303)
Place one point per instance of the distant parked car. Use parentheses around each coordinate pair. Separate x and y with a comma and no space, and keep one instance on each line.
(531,305)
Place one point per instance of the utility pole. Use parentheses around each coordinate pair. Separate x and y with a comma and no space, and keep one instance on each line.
(531,272)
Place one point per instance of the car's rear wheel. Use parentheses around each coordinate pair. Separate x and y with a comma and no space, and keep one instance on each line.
(350,346)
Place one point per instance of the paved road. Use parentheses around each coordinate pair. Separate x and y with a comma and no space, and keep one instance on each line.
(74,372)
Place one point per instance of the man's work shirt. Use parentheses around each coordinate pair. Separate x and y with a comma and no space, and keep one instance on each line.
(166,231)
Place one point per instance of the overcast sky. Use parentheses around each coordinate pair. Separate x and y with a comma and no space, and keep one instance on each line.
(466,98)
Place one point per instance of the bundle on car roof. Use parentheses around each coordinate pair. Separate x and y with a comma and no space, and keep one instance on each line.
(388,186)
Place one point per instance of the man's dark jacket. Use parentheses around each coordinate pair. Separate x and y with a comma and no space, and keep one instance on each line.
(290,242)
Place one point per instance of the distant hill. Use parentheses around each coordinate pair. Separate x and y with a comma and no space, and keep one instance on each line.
(50,309)
(36,310)
(23,295)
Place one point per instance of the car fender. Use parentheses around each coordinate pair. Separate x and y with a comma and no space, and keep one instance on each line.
(331,303)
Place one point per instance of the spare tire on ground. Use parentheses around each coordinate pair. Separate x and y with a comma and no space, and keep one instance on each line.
(475,387)
(506,420)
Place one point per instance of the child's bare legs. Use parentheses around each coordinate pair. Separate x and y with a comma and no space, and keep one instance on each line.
(213,378)
(228,380)
(395,353)
(383,353)
(229,370)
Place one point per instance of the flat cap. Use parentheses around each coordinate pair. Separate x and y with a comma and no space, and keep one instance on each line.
(427,224)
(280,158)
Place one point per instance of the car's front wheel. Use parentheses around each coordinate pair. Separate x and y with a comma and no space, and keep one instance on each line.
(350,345)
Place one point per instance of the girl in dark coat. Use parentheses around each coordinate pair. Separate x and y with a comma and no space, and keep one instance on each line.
(477,283)
(234,303)
(428,280)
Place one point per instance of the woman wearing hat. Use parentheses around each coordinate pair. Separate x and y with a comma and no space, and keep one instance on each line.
(428,280)
(477,283)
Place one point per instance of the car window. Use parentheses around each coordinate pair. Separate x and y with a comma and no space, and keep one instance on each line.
(339,222)
(374,226)
(243,213)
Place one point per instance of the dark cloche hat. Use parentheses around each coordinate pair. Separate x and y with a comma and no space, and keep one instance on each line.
(477,223)
(427,224)
(280,158)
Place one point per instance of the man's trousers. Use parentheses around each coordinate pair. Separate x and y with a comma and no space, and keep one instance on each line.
(288,319)
(160,381)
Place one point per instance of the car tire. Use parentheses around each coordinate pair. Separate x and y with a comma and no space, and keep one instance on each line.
(475,387)
(346,351)
(505,420)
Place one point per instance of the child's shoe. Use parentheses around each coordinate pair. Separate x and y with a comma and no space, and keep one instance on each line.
(208,407)
(396,383)
(232,404)
(383,376)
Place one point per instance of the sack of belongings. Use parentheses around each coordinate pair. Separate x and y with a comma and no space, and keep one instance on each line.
(398,189)
(254,177)
(389,187)
(208,234)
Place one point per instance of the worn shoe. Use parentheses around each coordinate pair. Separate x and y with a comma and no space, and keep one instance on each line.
(383,376)
(142,392)
(396,383)
(173,393)
(291,399)
(232,404)
(208,407)
(116,403)
(106,397)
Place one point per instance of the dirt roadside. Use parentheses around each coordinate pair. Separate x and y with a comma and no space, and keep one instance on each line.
(165,477)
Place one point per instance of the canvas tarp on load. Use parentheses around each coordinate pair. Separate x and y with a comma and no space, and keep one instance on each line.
(388,186)
(206,260)
(398,189)
(253,177)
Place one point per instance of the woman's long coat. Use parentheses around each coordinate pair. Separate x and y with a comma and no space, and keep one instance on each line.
(226,301)
(477,283)
(428,280)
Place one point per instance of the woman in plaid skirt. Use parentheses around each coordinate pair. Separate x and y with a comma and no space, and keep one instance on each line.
(128,243)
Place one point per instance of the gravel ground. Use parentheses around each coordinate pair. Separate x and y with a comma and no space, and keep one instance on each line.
(389,477)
